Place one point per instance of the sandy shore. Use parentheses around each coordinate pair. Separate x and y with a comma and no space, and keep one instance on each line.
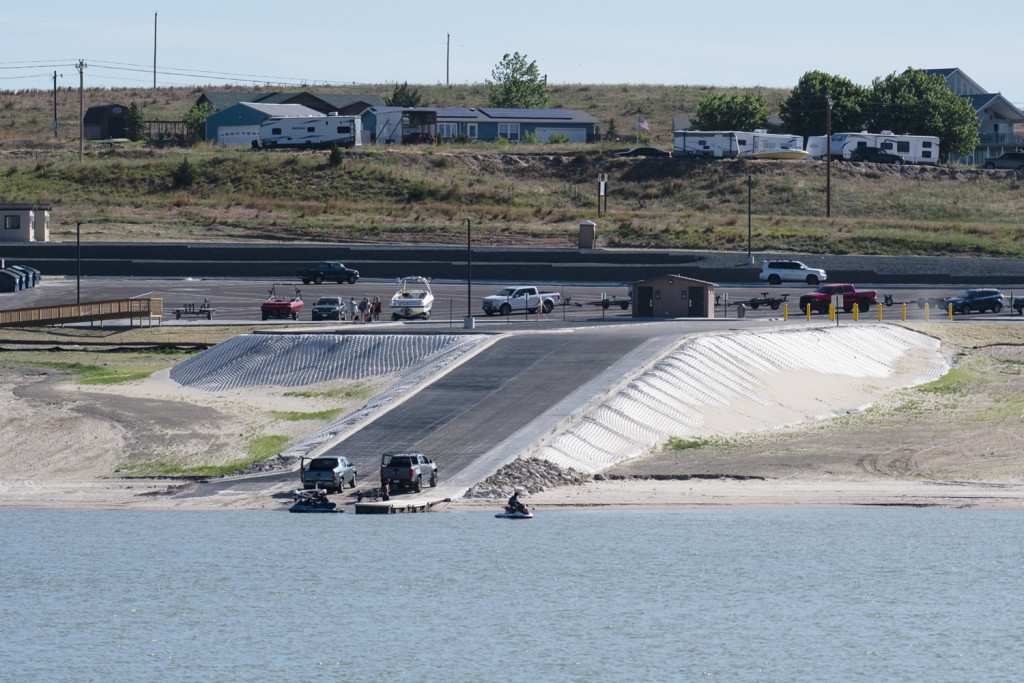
(956,449)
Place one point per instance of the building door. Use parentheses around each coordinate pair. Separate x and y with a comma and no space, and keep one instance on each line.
(645,302)
(696,296)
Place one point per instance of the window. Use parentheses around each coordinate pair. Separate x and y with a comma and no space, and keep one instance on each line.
(344,129)
(12,222)
(509,131)
(926,155)
(447,130)
(903,146)
(310,129)
(927,144)
(275,131)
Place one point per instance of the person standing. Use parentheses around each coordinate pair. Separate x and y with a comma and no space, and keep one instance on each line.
(352,309)
(376,309)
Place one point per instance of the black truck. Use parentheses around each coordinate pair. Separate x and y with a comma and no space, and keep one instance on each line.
(332,271)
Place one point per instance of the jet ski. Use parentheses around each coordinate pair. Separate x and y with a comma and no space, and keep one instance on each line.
(521,512)
(312,500)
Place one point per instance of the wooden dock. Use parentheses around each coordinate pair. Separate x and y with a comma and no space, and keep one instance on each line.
(391,507)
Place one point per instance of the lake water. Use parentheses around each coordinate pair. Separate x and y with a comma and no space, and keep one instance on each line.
(748,595)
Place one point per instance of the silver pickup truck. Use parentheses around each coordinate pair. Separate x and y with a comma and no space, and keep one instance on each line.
(329,472)
(407,471)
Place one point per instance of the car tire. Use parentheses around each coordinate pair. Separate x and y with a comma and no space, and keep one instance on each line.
(774,305)
(318,280)
(265,315)
(754,305)
(997,307)
(505,309)
(433,479)
(774,279)
(812,280)
(823,309)
(295,315)
(351,279)
(352,484)
(989,166)
(864,306)
(624,305)
(847,309)
(418,484)
(305,280)
(548,306)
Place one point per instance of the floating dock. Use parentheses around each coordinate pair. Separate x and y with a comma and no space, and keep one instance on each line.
(391,507)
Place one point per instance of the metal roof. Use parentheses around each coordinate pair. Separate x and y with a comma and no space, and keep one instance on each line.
(281,110)
(501,113)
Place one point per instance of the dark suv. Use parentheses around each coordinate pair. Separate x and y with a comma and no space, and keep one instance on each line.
(980,300)
(875,155)
(1014,160)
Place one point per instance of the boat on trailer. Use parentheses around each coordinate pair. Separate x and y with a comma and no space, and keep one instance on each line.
(412,299)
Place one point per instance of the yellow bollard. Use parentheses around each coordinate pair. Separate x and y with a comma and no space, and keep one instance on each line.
(950,311)
(904,313)
(808,312)
(785,311)
(856,310)
(926,312)
(879,312)
(831,312)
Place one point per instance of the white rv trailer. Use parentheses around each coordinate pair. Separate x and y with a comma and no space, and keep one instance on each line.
(719,144)
(316,131)
(708,144)
(915,149)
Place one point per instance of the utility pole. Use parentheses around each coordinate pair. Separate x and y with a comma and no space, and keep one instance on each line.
(448,61)
(154,50)
(81,108)
(828,158)
(54,105)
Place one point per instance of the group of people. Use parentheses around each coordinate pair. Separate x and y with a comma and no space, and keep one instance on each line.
(364,311)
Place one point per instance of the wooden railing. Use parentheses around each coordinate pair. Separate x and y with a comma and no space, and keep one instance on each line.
(117,309)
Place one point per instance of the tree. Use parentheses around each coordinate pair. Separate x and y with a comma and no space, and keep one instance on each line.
(403,96)
(517,84)
(917,103)
(195,122)
(134,124)
(731,112)
(805,113)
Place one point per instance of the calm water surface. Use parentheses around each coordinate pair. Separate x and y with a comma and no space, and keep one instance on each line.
(576,596)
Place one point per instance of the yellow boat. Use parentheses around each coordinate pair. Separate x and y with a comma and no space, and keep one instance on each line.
(781,153)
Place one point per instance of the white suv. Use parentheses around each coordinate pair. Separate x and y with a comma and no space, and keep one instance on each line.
(775,272)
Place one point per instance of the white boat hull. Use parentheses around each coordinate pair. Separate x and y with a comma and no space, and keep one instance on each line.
(413,299)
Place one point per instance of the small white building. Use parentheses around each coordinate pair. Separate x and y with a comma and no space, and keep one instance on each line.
(25,222)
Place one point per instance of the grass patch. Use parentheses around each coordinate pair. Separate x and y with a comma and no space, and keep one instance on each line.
(953,383)
(262,447)
(163,468)
(295,416)
(359,391)
(676,443)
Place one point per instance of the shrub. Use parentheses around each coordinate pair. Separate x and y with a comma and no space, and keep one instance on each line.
(336,156)
(558,139)
(184,174)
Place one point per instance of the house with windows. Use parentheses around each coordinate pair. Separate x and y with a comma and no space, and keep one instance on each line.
(395,125)
(1002,123)
(239,124)
(25,222)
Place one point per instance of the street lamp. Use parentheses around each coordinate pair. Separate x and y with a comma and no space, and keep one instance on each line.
(78,243)
(828,158)
(750,257)
(468,322)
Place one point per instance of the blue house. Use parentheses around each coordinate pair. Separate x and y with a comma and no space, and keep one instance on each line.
(422,124)
(239,124)
(999,118)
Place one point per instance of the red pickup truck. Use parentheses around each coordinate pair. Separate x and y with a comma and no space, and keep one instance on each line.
(821,298)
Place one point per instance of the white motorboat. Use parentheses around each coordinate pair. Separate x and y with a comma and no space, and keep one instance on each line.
(781,153)
(412,299)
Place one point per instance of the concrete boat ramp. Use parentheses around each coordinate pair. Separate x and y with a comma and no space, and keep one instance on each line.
(585,398)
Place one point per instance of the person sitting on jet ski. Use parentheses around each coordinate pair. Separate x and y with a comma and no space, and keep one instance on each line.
(513,502)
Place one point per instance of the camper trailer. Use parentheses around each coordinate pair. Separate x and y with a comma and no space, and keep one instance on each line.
(732,143)
(318,131)
(915,149)
(707,144)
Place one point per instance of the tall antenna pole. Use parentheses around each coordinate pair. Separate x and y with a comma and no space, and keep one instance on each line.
(154,50)
(448,61)
(54,105)
(81,107)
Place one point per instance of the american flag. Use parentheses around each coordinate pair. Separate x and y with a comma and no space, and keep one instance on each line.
(643,125)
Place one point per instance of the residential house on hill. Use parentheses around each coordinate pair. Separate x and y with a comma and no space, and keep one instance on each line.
(324,103)
(239,124)
(999,117)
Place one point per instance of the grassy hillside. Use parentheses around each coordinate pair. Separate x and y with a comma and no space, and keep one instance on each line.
(517,194)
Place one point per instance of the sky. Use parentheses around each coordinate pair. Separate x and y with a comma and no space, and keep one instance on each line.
(289,45)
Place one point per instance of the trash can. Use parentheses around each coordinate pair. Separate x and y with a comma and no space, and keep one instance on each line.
(588,234)
(741,310)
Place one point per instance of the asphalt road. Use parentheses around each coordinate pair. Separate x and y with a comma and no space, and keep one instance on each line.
(239,300)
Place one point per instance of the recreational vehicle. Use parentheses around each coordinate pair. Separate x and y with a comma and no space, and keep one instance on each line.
(915,149)
(736,143)
(319,131)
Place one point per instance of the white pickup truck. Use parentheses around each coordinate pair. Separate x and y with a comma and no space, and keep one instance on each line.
(525,298)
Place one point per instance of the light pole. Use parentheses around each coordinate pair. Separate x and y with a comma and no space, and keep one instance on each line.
(78,244)
(828,158)
(468,322)
(750,256)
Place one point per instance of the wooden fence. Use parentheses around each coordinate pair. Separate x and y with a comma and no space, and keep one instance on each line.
(117,309)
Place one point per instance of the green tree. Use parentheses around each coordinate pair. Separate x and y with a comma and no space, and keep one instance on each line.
(134,124)
(611,129)
(917,103)
(184,175)
(195,123)
(731,112)
(517,84)
(804,112)
(403,96)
